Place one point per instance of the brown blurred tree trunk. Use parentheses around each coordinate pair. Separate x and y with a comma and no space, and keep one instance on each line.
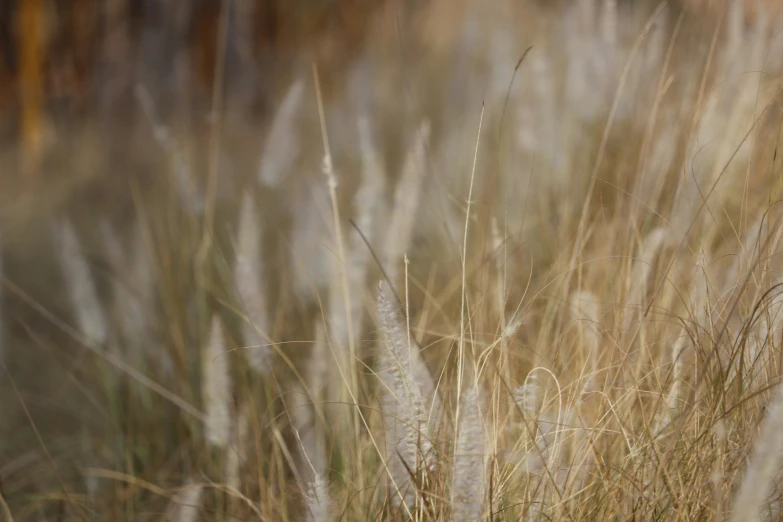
(31,91)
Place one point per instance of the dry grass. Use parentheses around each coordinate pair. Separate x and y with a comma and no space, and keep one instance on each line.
(578,313)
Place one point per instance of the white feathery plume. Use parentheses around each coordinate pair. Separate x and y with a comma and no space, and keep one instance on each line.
(133,288)
(640,274)
(678,375)
(216,387)
(237,451)
(282,144)
(754,241)
(317,368)
(421,374)
(313,464)
(657,162)
(469,473)
(698,297)
(310,227)
(581,442)
(138,323)
(775,308)
(528,397)
(248,280)
(331,362)
(79,284)
(341,378)
(586,309)
(407,434)
(242,434)
(121,288)
(188,193)
(339,333)
(764,464)
(698,302)
(399,483)
(756,339)
(500,257)
(309,434)
(767,329)
(368,199)
(186,504)
(369,196)
(406,201)
(669,409)
(713,127)
(342,341)
(240,447)
(426,384)
(319,506)
(511,328)
(540,427)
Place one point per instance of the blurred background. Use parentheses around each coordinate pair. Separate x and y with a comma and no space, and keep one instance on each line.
(144,123)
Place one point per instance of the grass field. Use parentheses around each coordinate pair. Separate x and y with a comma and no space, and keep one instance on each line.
(511,261)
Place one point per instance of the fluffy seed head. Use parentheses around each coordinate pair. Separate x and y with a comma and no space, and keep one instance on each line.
(407,433)
(79,284)
(764,464)
(216,388)
(319,508)
(468,481)
(248,280)
(406,198)
(186,505)
(282,145)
